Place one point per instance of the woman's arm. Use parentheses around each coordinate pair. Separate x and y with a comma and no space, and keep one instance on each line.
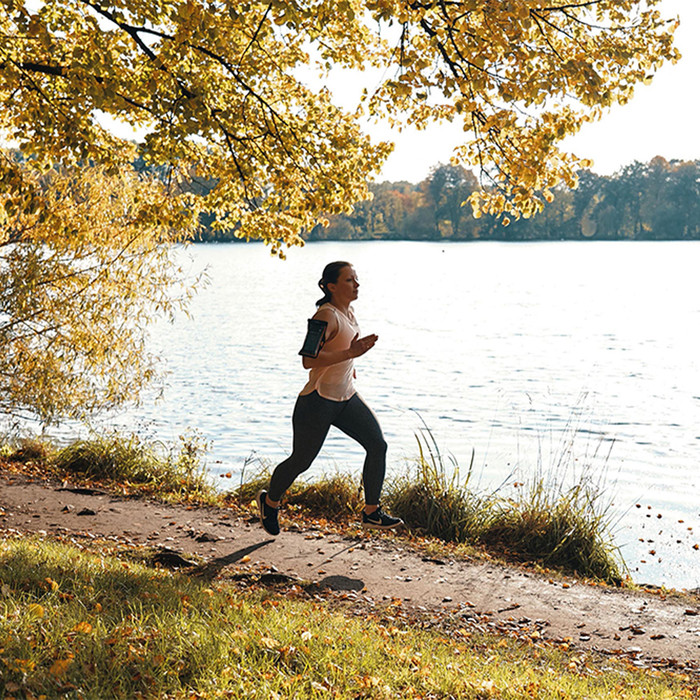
(325,358)
(358,346)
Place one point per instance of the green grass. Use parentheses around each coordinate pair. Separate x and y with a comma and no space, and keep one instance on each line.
(172,472)
(80,624)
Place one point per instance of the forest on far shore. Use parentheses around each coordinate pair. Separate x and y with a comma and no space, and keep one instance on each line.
(659,200)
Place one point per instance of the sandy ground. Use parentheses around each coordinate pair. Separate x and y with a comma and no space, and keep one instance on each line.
(649,627)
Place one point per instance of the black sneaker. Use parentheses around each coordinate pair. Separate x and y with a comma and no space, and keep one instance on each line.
(268,515)
(379,520)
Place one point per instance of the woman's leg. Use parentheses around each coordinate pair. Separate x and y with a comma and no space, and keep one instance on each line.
(311,420)
(359,422)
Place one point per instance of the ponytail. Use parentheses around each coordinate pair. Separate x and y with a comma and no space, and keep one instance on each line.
(330,275)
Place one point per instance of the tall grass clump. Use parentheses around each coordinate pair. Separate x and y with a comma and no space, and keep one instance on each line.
(568,528)
(165,469)
(558,518)
(329,496)
(255,475)
(562,515)
(434,499)
(25,449)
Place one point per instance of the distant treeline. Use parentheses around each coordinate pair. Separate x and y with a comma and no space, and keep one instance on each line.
(659,200)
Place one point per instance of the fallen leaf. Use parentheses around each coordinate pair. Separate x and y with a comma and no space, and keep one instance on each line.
(35,610)
(84,627)
(60,667)
(269,643)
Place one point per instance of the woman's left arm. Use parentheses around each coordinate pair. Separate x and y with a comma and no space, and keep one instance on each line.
(358,346)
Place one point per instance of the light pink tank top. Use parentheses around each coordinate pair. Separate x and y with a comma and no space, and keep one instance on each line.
(335,382)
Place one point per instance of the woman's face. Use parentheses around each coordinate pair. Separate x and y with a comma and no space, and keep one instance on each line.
(346,288)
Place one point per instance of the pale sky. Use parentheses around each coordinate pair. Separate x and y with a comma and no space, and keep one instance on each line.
(662,118)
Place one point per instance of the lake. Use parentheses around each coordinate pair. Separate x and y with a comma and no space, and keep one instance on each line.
(549,357)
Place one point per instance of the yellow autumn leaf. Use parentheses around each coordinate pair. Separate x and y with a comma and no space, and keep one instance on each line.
(269,643)
(83,627)
(60,667)
(369,681)
(35,610)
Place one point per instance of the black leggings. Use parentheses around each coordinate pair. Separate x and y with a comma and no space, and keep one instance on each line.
(312,418)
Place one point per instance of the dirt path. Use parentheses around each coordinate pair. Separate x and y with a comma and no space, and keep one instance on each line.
(645,626)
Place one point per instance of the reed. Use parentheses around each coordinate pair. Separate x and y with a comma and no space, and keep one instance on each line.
(560,523)
(255,476)
(433,498)
(562,516)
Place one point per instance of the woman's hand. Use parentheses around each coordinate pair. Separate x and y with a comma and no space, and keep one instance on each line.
(359,346)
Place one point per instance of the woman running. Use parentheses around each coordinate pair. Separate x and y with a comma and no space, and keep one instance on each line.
(329,398)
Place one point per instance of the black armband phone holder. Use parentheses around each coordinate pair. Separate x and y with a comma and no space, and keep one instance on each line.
(315,337)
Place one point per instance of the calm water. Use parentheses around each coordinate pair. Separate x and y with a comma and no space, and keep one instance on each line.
(542,356)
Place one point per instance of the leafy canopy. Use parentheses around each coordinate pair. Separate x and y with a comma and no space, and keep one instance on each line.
(215,86)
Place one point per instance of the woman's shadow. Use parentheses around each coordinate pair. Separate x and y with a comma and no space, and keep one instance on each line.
(212,569)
